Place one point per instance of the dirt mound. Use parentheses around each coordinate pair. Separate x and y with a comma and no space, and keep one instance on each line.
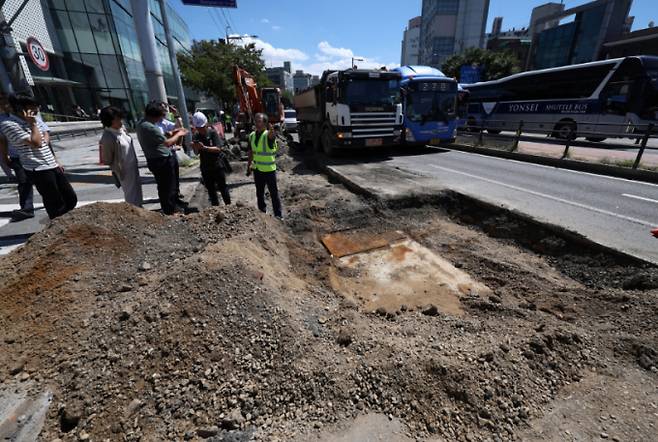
(225,324)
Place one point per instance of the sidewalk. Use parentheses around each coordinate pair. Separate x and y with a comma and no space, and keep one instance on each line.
(92,182)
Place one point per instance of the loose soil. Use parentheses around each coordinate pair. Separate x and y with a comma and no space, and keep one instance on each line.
(226,325)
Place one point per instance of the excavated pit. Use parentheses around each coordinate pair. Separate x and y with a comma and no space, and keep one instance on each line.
(391,272)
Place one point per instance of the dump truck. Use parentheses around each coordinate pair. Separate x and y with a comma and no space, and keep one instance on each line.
(353,108)
(253,100)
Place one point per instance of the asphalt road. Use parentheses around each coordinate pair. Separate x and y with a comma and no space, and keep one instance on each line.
(611,211)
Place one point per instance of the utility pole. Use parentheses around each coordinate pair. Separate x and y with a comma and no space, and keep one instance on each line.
(147,46)
(182,104)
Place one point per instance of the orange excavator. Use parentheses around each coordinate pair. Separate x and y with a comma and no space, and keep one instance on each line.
(253,100)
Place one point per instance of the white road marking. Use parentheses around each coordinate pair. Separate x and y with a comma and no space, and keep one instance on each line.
(551,197)
(4,222)
(7,249)
(10,207)
(641,198)
(556,168)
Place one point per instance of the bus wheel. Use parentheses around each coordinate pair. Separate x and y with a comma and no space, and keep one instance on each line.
(566,130)
(595,139)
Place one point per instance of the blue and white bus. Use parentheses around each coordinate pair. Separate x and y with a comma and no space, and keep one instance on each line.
(429,105)
(595,100)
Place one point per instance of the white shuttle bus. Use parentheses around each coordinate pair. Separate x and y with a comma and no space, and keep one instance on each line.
(598,100)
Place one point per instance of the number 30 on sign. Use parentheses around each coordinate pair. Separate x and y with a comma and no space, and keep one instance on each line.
(38,54)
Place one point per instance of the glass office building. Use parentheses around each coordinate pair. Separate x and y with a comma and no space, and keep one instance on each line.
(95,59)
(581,40)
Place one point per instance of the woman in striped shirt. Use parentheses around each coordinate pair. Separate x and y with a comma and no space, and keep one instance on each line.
(23,131)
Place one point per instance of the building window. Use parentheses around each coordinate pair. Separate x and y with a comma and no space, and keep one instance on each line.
(82,30)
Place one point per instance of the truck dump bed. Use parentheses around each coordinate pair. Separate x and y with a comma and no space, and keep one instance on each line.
(308,104)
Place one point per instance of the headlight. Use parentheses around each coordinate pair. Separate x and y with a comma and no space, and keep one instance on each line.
(343,135)
(410,135)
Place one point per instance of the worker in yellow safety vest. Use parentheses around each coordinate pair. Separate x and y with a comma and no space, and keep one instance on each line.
(262,160)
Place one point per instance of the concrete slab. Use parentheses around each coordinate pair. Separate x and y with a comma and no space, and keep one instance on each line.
(403,273)
(383,182)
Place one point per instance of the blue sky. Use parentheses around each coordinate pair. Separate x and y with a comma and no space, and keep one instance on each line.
(315,35)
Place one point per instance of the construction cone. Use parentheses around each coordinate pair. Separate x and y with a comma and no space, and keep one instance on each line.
(654,232)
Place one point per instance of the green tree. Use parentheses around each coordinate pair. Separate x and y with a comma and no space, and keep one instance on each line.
(287,98)
(209,67)
(495,64)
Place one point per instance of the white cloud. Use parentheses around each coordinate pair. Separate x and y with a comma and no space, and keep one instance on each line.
(274,56)
(328,57)
(276,28)
(331,51)
(264,20)
(331,57)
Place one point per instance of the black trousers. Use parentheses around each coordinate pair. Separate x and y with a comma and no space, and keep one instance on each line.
(164,172)
(262,179)
(56,192)
(177,171)
(214,178)
(25,192)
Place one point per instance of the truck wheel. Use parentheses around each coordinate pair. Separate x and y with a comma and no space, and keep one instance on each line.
(328,143)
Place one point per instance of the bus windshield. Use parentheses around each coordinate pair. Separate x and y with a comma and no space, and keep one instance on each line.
(372,93)
(431,101)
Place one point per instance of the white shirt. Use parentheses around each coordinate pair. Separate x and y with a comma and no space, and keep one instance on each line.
(18,134)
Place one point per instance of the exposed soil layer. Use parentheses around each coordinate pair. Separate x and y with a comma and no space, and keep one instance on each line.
(225,325)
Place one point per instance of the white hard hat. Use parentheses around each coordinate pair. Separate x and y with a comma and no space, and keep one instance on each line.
(199,120)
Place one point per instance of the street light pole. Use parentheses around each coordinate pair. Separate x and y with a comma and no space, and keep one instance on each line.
(146,38)
(182,104)
(355,59)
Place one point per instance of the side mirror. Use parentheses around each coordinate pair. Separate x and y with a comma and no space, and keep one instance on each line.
(329,94)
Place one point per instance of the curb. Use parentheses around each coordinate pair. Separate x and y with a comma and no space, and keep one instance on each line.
(442,193)
(581,166)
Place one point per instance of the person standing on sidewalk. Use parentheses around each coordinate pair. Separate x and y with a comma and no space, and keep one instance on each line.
(119,153)
(170,124)
(208,145)
(262,159)
(159,156)
(31,140)
(10,158)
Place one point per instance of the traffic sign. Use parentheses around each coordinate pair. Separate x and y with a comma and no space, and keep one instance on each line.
(38,54)
(469,74)
(215,3)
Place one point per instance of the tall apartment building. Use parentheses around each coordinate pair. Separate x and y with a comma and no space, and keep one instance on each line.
(301,80)
(411,43)
(497,26)
(281,77)
(449,27)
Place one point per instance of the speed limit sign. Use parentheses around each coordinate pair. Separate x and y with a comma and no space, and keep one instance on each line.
(38,54)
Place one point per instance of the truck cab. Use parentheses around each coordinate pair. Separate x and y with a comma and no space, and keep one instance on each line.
(351,109)
(430,101)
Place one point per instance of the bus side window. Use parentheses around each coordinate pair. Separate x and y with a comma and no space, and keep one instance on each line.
(615,96)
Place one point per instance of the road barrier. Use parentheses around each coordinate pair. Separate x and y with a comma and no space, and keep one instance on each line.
(641,134)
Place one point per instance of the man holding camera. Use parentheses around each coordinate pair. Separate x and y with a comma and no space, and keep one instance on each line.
(262,159)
